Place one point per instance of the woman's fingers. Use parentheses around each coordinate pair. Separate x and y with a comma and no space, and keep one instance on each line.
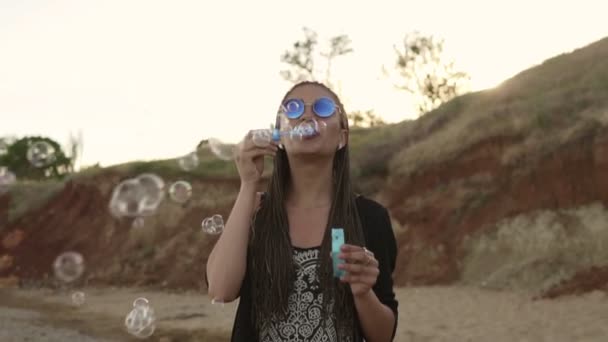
(258,152)
(357,255)
(359,279)
(359,269)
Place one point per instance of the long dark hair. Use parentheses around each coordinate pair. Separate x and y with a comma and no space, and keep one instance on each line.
(270,251)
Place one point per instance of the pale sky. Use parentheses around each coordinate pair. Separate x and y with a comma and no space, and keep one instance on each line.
(149,79)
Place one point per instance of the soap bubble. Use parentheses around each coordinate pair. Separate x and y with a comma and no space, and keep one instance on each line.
(180,191)
(68,266)
(308,129)
(221,150)
(7,179)
(261,137)
(213,225)
(141,321)
(41,154)
(138,223)
(302,130)
(78,298)
(188,162)
(146,332)
(141,301)
(153,188)
(128,199)
(139,196)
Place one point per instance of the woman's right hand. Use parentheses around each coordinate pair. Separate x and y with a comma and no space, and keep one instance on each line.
(249,158)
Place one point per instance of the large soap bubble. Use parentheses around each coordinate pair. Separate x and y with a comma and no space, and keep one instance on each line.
(153,188)
(188,162)
(136,197)
(41,154)
(68,266)
(220,149)
(180,191)
(141,321)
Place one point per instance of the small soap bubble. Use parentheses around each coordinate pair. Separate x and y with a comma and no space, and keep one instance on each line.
(141,321)
(261,137)
(138,223)
(180,191)
(188,162)
(78,298)
(218,220)
(68,266)
(141,301)
(220,149)
(41,154)
(213,225)
(7,179)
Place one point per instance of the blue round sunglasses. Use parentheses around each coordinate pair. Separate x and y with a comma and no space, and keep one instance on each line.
(323,107)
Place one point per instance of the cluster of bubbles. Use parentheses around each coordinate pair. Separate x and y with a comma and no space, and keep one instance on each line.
(213,225)
(41,154)
(68,267)
(303,130)
(141,321)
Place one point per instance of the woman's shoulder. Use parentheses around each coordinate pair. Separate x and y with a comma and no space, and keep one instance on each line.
(367,206)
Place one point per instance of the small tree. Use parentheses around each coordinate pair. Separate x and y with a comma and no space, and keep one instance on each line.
(424,71)
(302,65)
(16,160)
(300,59)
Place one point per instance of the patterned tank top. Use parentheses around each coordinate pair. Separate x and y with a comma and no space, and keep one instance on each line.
(303,320)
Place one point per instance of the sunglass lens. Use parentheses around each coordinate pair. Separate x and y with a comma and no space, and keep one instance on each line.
(324,107)
(293,108)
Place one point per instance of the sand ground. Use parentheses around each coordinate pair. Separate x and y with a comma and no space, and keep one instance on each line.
(426,314)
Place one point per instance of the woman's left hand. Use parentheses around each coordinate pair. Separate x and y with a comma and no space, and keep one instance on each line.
(361,268)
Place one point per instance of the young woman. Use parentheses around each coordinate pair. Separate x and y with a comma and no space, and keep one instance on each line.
(275,251)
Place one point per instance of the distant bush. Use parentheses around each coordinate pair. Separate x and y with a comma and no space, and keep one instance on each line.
(16,160)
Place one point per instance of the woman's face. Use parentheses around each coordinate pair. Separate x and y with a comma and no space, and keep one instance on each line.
(332,135)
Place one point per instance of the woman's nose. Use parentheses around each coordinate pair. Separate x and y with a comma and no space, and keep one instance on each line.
(308,114)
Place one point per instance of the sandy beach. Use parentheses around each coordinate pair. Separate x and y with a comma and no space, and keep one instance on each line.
(426,314)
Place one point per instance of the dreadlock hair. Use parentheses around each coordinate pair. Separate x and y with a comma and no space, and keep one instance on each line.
(271,264)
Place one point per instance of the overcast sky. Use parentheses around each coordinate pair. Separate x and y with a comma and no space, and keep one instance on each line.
(149,79)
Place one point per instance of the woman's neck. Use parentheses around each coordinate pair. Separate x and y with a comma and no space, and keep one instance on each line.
(311,184)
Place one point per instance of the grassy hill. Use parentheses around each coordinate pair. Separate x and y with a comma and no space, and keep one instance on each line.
(495,187)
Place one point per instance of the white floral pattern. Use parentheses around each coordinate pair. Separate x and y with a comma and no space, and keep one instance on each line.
(303,321)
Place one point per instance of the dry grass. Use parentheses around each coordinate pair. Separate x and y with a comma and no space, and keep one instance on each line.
(549,105)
